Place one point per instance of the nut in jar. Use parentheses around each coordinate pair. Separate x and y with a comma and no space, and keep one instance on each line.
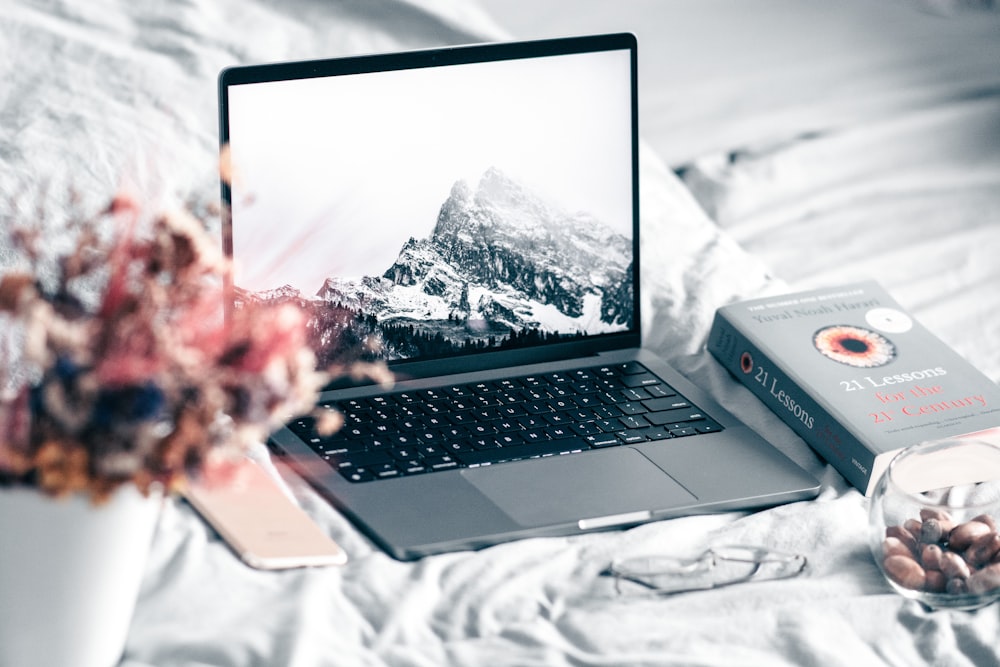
(964,559)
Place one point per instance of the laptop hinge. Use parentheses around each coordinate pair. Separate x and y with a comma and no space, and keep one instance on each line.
(614,520)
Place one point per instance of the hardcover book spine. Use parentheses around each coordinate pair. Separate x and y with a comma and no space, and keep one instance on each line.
(763,375)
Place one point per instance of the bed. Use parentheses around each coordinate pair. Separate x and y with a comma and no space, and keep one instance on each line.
(786,145)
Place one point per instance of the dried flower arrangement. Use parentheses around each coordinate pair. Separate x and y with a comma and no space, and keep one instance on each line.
(131,371)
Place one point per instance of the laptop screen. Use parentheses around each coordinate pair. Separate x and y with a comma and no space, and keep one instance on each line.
(438,205)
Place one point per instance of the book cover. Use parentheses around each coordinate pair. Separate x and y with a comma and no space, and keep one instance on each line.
(853,374)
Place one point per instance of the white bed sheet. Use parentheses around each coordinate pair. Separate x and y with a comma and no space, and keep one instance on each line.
(118,90)
(833,141)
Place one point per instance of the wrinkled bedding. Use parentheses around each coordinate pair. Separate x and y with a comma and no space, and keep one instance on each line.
(748,195)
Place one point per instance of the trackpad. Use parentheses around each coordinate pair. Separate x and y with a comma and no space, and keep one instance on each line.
(589,486)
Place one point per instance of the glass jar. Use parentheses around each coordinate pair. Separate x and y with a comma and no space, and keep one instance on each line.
(933,522)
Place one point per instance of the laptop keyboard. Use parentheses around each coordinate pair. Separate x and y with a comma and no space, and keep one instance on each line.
(565,412)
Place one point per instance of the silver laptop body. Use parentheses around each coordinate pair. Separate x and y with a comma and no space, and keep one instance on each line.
(471,216)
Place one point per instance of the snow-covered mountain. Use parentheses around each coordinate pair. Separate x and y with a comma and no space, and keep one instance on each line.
(500,253)
(499,260)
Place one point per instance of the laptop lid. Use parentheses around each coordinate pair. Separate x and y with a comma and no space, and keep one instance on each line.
(444,210)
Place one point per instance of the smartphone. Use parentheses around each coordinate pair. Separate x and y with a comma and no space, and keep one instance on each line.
(265,528)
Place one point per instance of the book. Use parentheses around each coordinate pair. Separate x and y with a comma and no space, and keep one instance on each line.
(853,374)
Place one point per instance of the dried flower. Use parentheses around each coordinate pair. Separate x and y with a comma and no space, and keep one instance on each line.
(129,370)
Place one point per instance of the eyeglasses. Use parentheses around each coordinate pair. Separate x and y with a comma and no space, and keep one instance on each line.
(715,568)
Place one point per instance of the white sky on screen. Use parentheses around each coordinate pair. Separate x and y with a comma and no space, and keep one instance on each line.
(334,174)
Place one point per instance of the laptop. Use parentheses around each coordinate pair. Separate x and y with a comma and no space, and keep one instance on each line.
(470,216)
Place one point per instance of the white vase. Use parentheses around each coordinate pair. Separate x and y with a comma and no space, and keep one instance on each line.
(69,575)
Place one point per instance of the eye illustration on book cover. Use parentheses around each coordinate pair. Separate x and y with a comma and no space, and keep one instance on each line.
(854,346)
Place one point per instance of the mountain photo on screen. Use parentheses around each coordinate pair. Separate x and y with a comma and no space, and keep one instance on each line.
(420,214)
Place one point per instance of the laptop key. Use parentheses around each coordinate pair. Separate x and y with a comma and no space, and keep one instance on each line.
(603,440)
(376,443)
(441,462)
(435,421)
(335,447)
(508,385)
(507,426)
(407,411)
(559,391)
(404,453)
(403,439)
(483,401)
(640,380)
(585,428)
(411,423)
(557,418)
(486,414)
(607,412)
(357,474)
(383,429)
(484,443)
(482,429)
(531,422)
(537,408)
(366,459)
(561,403)
(430,436)
(557,378)
(431,394)
(356,431)
(612,397)
(631,407)
(484,388)
(510,439)
(559,432)
(430,449)
(434,408)
(673,416)
(453,446)
(660,390)
(659,404)
(518,452)
(513,398)
(633,422)
(635,394)
(610,425)
(587,401)
(462,403)
(406,398)
(631,436)
(535,435)
(658,433)
(582,415)
(384,470)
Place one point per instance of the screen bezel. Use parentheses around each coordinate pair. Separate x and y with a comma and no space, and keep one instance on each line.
(456,55)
